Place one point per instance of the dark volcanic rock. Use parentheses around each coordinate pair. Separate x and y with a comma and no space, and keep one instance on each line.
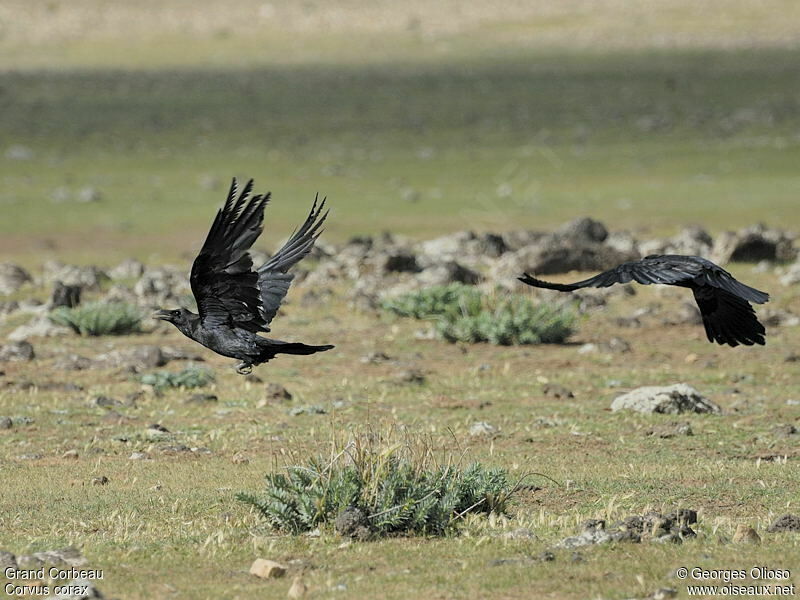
(65,295)
(785,523)
(17,352)
(352,522)
(12,277)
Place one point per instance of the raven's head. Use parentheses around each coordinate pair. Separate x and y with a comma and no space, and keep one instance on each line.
(180,317)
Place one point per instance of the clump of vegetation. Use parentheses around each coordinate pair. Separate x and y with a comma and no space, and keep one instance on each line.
(99,318)
(465,314)
(190,377)
(400,489)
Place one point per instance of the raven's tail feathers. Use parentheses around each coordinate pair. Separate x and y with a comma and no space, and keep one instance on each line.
(273,347)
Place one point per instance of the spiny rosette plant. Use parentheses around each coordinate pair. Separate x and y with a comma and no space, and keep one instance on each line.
(190,377)
(465,314)
(400,490)
(100,318)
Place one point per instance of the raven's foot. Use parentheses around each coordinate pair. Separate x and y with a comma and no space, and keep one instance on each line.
(244,368)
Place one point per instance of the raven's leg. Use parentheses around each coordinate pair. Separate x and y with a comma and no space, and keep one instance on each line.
(244,368)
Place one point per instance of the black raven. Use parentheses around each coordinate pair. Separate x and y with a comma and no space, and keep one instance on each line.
(724,302)
(236,302)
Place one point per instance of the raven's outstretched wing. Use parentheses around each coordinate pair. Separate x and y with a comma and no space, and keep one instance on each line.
(274,278)
(727,318)
(723,301)
(669,269)
(223,281)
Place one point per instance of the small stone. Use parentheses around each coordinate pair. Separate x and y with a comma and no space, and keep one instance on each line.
(375,358)
(352,522)
(267,569)
(102,480)
(156,432)
(138,456)
(520,533)
(104,402)
(785,523)
(673,399)
(276,392)
(201,398)
(670,431)
(240,459)
(413,376)
(7,559)
(298,588)
(482,428)
(746,535)
(6,423)
(71,454)
(557,391)
(313,409)
(784,430)
(17,352)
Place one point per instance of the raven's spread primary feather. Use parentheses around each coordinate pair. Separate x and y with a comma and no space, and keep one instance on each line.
(724,302)
(234,301)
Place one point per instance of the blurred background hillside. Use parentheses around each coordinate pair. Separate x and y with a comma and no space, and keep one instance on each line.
(122,123)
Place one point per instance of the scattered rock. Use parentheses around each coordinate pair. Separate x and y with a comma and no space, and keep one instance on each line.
(446,273)
(298,588)
(12,277)
(555,390)
(78,589)
(201,399)
(6,423)
(313,409)
(17,352)
(482,428)
(746,535)
(277,393)
(135,358)
(520,533)
(138,456)
(40,326)
(68,296)
(7,559)
(792,275)
(102,480)
(128,269)
(785,523)
(414,376)
(156,431)
(691,241)
(90,277)
(70,454)
(669,431)
(352,522)
(753,244)
(240,459)
(375,358)
(652,526)
(267,569)
(784,430)
(73,362)
(673,399)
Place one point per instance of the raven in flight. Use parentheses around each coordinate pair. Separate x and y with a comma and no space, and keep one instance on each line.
(724,302)
(236,302)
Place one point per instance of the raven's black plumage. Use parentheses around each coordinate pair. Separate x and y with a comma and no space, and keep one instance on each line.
(724,302)
(234,301)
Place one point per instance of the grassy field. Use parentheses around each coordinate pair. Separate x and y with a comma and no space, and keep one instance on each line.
(419,120)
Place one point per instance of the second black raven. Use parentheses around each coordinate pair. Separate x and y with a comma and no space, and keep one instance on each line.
(724,302)
(234,301)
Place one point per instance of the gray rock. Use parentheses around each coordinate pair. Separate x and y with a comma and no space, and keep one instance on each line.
(583,229)
(792,275)
(17,352)
(162,287)
(73,362)
(78,589)
(276,392)
(65,295)
(12,277)
(673,399)
(128,269)
(40,326)
(754,244)
(7,559)
(89,277)
(352,522)
(555,390)
(670,431)
(6,423)
(446,273)
(460,245)
(555,254)
(313,409)
(692,241)
(482,428)
(137,358)
(785,523)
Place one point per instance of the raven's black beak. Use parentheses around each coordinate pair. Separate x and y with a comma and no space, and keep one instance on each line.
(163,315)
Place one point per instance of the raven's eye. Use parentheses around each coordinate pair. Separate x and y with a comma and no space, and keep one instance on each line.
(176,313)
